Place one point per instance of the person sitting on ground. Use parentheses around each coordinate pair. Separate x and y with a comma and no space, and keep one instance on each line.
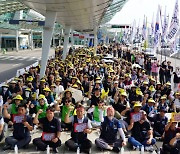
(81,127)
(141,132)
(159,123)
(97,113)
(171,141)
(41,106)
(108,136)
(51,131)
(48,95)
(64,110)
(22,125)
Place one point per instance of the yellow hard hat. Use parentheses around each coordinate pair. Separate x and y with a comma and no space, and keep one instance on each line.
(41,96)
(98,78)
(138,92)
(18,97)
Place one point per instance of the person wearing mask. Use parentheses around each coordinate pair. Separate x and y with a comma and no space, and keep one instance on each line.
(5,92)
(108,135)
(22,125)
(51,131)
(81,126)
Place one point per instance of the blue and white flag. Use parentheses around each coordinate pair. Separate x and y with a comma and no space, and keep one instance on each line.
(157,29)
(174,26)
(165,27)
(152,26)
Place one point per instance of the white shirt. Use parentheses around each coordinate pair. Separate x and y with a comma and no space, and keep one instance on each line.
(59,89)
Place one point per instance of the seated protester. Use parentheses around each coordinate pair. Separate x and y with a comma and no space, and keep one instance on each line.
(176,104)
(141,133)
(53,92)
(51,131)
(108,136)
(149,108)
(33,104)
(132,94)
(22,125)
(5,92)
(68,95)
(13,108)
(159,123)
(64,110)
(26,95)
(171,141)
(97,113)
(48,95)
(81,127)
(162,103)
(59,88)
(1,128)
(94,98)
(41,106)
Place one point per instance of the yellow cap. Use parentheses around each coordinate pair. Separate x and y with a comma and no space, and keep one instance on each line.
(28,89)
(158,82)
(18,97)
(124,94)
(59,79)
(151,100)
(53,85)
(41,96)
(177,93)
(75,86)
(168,84)
(138,92)
(5,85)
(151,88)
(68,90)
(98,82)
(13,82)
(79,82)
(74,77)
(163,97)
(43,80)
(46,89)
(30,78)
(98,78)
(145,82)
(137,104)
(121,90)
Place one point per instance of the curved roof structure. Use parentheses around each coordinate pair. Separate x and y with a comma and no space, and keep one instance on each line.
(81,15)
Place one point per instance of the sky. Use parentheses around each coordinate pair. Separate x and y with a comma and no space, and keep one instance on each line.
(136,9)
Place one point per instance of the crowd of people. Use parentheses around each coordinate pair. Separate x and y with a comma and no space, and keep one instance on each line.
(128,94)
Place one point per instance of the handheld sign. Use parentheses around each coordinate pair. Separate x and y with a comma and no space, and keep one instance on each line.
(79,127)
(48,136)
(175,117)
(136,116)
(18,118)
